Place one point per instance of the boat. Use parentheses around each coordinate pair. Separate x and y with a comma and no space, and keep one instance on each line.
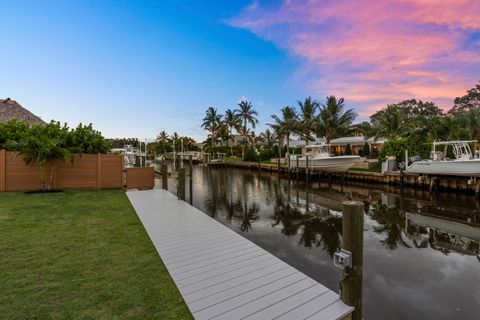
(463,164)
(320,159)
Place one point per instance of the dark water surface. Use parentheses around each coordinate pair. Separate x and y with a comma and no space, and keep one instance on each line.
(421,252)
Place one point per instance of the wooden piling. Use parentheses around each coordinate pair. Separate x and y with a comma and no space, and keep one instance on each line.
(164,177)
(352,233)
(181,184)
(306,168)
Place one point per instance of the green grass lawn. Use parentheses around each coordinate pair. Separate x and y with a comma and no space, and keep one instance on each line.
(80,255)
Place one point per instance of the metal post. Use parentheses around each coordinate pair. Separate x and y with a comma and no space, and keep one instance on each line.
(352,225)
(181,184)
(190,171)
(164,177)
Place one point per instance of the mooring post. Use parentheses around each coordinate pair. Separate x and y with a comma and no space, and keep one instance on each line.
(164,177)
(297,159)
(181,184)
(306,168)
(402,177)
(352,233)
(190,174)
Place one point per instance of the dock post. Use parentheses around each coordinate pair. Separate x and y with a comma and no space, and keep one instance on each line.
(190,175)
(352,233)
(306,168)
(402,177)
(181,184)
(297,159)
(164,177)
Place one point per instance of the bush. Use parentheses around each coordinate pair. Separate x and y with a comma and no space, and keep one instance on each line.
(366,150)
(250,155)
(266,154)
(397,148)
(82,139)
(348,150)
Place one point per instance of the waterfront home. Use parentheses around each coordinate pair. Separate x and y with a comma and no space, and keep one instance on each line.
(357,143)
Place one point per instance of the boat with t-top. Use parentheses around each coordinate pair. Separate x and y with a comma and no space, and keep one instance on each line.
(320,159)
(463,163)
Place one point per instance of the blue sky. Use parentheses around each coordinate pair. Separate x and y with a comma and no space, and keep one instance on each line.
(133,68)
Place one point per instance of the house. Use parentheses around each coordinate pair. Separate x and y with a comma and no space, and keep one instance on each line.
(357,143)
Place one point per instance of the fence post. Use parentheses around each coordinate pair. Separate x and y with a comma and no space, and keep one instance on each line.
(164,177)
(181,184)
(99,171)
(352,233)
(3,170)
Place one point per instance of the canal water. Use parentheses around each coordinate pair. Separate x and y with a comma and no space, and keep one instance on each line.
(421,251)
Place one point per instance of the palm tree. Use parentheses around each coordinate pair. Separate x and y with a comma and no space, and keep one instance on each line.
(247,114)
(233,122)
(211,123)
(286,124)
(391,123)
(306,117)
(267,137)
(163,138)
(333,119)
(175,138)
(44,150)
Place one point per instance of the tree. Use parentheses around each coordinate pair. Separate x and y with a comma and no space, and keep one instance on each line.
(84,139)
(247,114)
(286,124)
(13,131)
(391,123)
(366,150)
(268,138)
(468,101)
(232,122)
(306,119)
(348,150)
(162,139)
(211,123)
(44,145)
(333,119)
(362,129)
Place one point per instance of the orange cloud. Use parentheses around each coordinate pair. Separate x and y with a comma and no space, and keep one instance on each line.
(376,52)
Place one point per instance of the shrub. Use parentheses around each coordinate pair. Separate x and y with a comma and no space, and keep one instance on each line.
(348,150)
(396,148)
(250,155)
(266,154)
(366,150)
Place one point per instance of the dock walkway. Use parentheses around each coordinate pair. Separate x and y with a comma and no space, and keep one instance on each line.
(222,275)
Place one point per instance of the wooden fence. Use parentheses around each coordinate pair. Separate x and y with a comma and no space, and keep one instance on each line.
(87,171)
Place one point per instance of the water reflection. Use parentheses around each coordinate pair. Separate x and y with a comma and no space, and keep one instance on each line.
(421,252)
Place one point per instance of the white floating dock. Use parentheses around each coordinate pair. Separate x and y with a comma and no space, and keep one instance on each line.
(222,275)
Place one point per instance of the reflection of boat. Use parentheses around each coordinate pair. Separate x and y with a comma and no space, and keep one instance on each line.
(452,227)
(464,164)
(320,159)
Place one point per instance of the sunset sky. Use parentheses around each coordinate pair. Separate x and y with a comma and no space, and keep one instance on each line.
(134,68)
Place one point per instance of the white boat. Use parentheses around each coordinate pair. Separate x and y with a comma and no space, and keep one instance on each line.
(320,159)
(464,163)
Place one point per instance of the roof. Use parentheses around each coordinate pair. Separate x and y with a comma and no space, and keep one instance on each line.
(355,140)
(11,109)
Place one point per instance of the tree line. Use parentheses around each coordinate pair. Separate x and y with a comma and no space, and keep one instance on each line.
(408,125)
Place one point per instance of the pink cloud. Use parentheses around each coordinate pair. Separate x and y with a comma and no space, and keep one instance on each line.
(375,52)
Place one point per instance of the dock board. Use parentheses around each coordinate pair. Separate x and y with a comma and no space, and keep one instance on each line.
(222,275)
